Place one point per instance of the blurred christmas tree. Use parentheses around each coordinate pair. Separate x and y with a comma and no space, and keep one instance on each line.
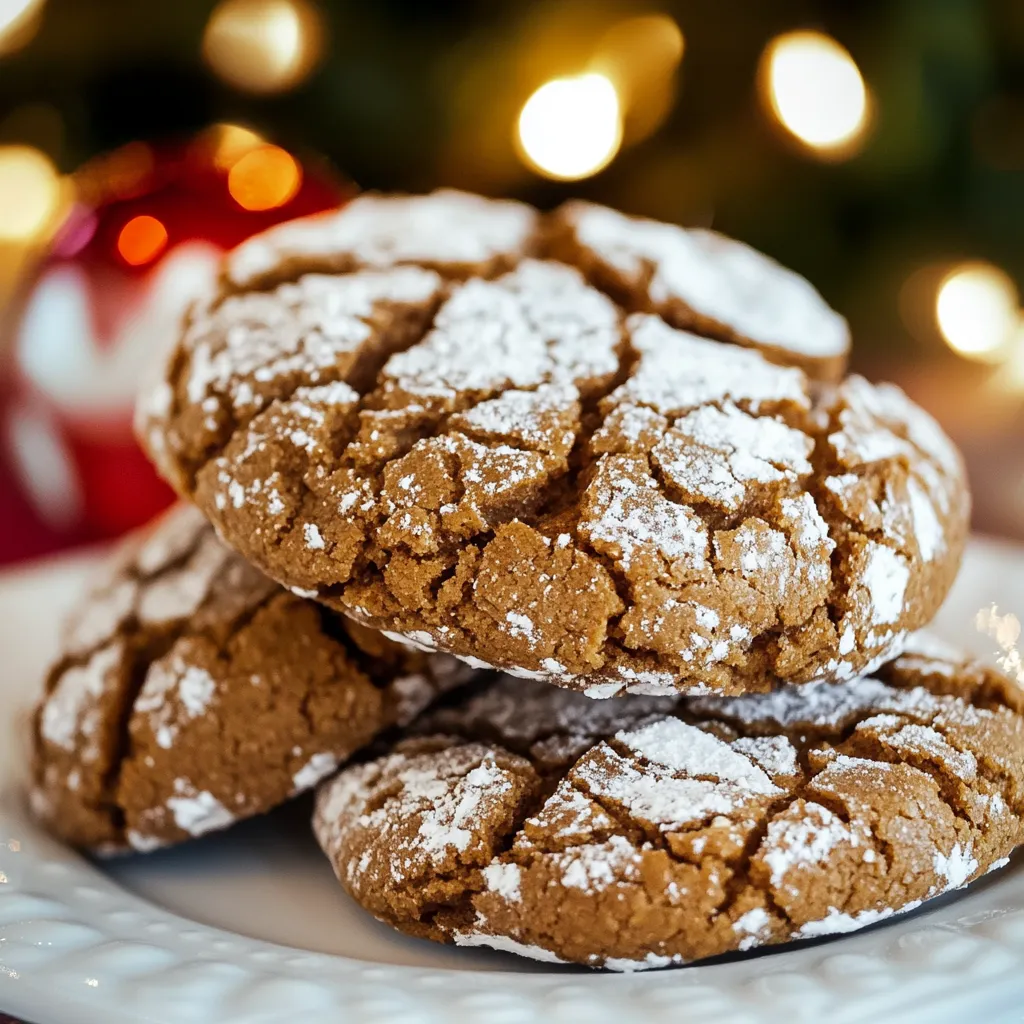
(406,94)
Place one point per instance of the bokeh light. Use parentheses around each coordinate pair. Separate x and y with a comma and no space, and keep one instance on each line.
(30,193)
(571,128)
(230,142)
(1010,375)
(141,240)
(815,90)
(263,46)
(265,178)
(641,57)
(122,174)
(976,308)
(19,21)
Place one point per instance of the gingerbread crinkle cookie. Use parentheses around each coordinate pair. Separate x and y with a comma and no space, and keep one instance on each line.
(482,445)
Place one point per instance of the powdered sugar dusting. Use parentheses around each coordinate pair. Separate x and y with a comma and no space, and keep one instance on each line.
(411,694)
(443,228)
(594,868)
(179,593)
(931,537)
(174,693)
(776,755)
(839,923)
(714,277)
(653,794)
(752,926)
(885,575)
(97,619)
(140,842)
(539,324)
(70,716)
(305,329)
(957,867)
(197,812)
(504,880)
(823,705)
(450,823)
(506,944)
(679,372)
(685,748)
(630,518)
(711,454)
(809,840)
(318,767)
(527,418)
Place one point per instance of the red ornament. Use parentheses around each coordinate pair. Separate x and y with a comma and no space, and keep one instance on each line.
(142,240)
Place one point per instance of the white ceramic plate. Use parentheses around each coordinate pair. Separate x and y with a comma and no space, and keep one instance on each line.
(249,927)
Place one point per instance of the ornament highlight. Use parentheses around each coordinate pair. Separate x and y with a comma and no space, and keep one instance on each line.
(264,179)
(141,240)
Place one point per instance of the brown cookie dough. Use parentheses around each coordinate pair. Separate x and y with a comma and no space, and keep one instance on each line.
(516,470)
(193,692)
(653,831)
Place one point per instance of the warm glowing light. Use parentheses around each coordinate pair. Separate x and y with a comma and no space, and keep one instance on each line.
(19,20)
(230,142)
(264,179)
(125,173)
(1010,376)
(977,310)
(570,128)
(30,193)
(141,240)
(263,46)
(815,90)
(641,56)
(1005,630)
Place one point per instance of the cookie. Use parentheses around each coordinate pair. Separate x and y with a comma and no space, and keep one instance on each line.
(518,471)
(193,692)
(703,282)
(652,831)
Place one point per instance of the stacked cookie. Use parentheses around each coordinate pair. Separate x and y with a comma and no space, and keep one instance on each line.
(576,520)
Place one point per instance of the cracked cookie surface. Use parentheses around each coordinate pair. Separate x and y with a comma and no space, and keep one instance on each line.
(193,692)
(653,831)
(533,463)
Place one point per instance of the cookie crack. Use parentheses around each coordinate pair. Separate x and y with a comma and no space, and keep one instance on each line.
(143,652)
(364,371)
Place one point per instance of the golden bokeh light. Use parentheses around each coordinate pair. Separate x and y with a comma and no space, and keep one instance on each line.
(141,240)
(30,193)
(230,142)
(815,90)
(976,308)
(19,22)
(263,46)
(122,174)
(1008,378)
(641,57)
(571,128)
(264,179)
